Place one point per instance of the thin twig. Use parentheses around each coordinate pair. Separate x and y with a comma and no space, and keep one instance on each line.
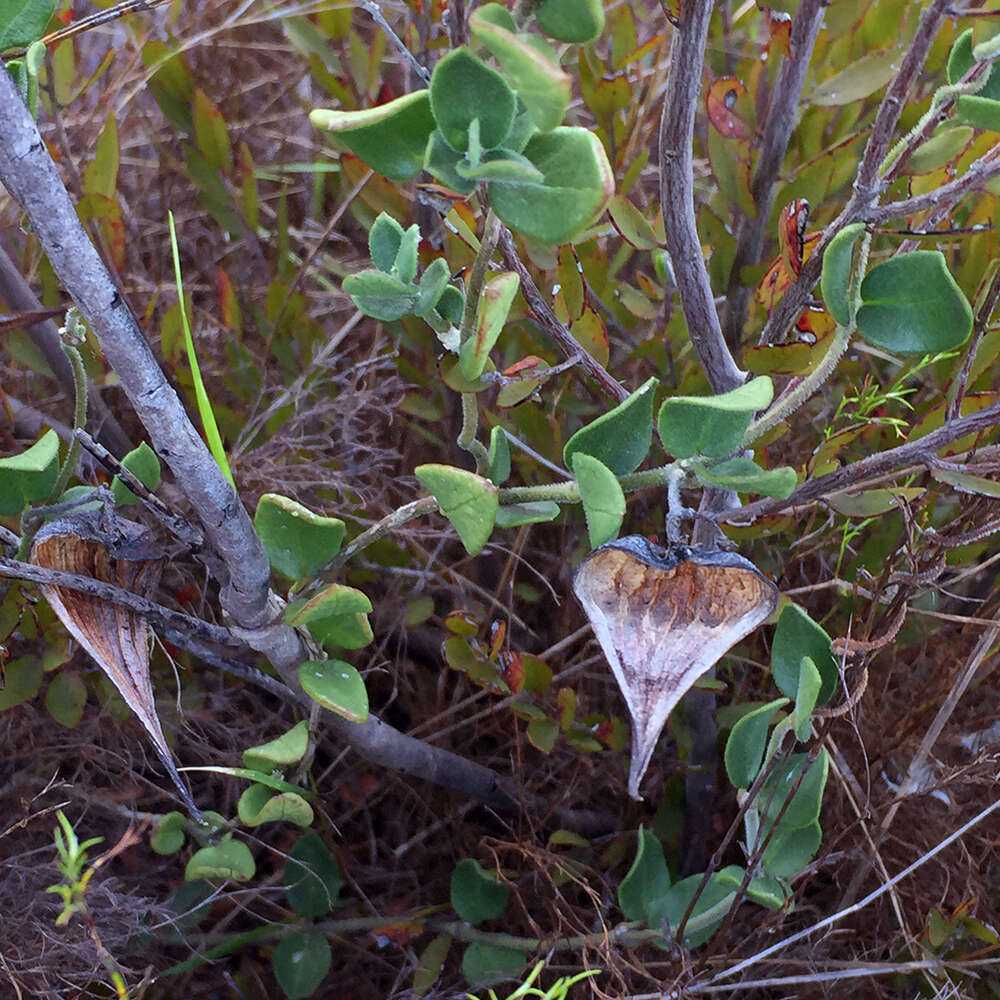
(179,526)
(862,903)
(866,186)
(157,614)
(781,118)
(549,322)
(873,465)
(375,12)
(687,53)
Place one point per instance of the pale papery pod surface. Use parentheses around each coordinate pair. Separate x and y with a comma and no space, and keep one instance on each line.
(663,617)
(122,553)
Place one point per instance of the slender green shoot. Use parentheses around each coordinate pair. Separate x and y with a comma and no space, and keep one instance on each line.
(212,435)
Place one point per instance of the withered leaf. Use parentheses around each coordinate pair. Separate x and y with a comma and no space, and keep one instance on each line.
(122,554)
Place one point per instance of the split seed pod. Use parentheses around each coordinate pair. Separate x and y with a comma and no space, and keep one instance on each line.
(663,618)
(116,637)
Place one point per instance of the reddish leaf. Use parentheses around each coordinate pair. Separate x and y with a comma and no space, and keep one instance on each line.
(779,28)
(795,247)
(512,665)
(400,931)
(528,364)
(498,632)
(721,104)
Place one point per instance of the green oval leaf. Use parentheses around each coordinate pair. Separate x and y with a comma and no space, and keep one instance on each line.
(863,76)
(467,500)
(965,482)
(981,109)
(23,22)
(287,749)
(532,512)
(837,264)
(647,880)
(169,835)
(145,466)
(620,438)
(577,184)
(381,296)
(22,679)
(940,149)
(635,229)
(336,685)
(432,286)
(311,876)
(911,304)
(768,891)
(229,859)
(542,734)
(29,477)
(430,964)
(717,896)
(391,138)
(336,616)
(500,165)
(301,962)
(384,240)
(796,636)
(579,21)
(494,305)
(810,684)
(871,503)
(744,475)
(803,809)
(747,742)
(65,698)
(540,83)
(602,498)
(711,425)
(791,850)
(463,89)
(475,894)
(258,805)
(299,543)
(488,963)
(499,457)
(441,162)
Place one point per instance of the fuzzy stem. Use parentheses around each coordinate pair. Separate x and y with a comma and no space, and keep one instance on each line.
(841,339)
(467,438)
(79,420)
(810,384)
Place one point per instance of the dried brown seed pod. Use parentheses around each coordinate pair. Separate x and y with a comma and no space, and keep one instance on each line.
(663,617)
(122,553)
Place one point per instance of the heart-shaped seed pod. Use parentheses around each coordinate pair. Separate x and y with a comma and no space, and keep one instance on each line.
(663,617)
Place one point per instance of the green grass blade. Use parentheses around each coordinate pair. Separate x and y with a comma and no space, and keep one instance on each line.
(212,435)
